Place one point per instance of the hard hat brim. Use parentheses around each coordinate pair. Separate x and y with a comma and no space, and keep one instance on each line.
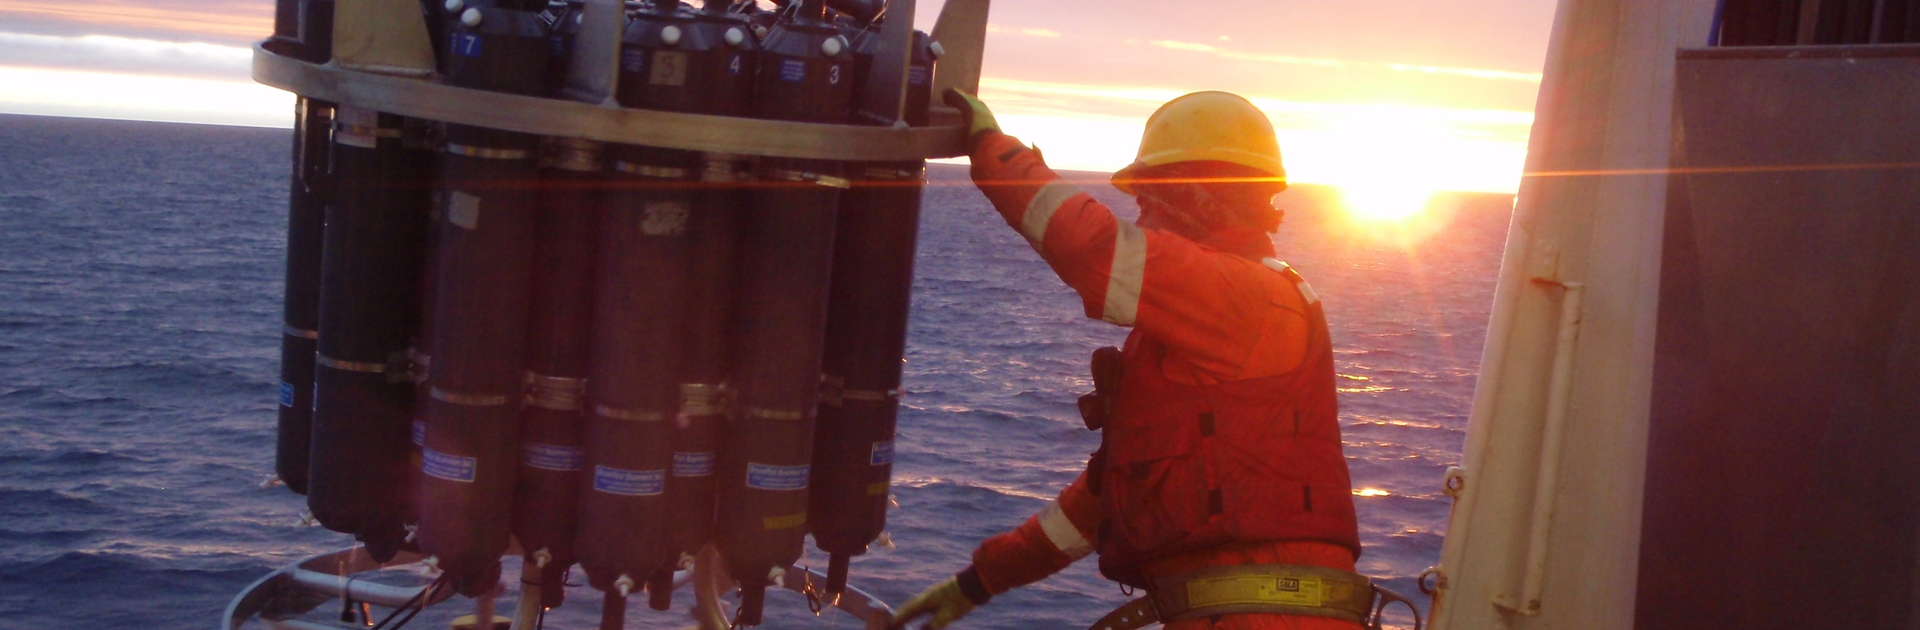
(1138,171)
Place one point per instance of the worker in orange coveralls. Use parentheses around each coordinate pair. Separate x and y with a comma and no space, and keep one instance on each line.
(1219,488)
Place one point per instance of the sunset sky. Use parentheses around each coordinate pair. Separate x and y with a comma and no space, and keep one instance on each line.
(1399,97)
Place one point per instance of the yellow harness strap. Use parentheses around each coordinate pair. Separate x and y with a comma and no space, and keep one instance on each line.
(1283,589)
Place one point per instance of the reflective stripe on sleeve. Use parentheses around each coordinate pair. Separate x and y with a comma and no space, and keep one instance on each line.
(1061,532)
(1306,291)
(1040,209)
(1126,275)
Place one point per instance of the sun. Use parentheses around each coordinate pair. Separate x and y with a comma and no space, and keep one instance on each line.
(1385,202)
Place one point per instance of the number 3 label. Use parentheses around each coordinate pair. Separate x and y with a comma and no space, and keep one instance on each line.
(833,74)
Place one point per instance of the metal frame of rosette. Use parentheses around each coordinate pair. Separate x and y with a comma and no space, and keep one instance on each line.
(375,62)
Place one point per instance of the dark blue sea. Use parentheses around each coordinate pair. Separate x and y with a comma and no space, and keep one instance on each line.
(140,287)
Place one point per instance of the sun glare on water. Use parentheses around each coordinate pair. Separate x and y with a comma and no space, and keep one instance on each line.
(1385,203)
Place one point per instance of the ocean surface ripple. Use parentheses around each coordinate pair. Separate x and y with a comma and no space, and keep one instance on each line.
(140,269)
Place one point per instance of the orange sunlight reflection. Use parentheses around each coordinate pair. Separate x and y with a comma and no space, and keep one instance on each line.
(1389,165)
(1385,202)
(1389,160)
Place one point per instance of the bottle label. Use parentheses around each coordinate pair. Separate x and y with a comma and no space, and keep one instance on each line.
(466,44)
(552,457)
(693,464)
(882,453)
(793,70)
(633,59)
(419,432)
(448,467)
(776,478)
(632,483)
(464,210)
(669,69)
(286,394)
(665,218)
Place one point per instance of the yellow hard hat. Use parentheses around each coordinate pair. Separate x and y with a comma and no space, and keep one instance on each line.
(1207,126)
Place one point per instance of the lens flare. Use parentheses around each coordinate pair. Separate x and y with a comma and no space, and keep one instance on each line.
(1386,203)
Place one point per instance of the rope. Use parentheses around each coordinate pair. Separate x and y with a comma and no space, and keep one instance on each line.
(414,605)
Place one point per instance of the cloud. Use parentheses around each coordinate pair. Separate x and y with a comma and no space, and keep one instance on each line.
(104,76)
(1030,32)
(1530,77)
(1477,73)
(1222,52)
(230,20)
(1136,94)
(121,54)
(142,97)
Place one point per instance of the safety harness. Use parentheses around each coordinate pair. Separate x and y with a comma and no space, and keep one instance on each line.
(1263,589)
(1276,589)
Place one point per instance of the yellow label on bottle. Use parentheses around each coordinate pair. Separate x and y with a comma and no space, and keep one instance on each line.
(785,522)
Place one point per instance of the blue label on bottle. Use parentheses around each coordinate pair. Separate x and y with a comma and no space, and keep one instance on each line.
(286,394)
(552,457)
(882,453)
(448,467)
(633,483)
(693,464)
(916,75)
(419,432)
(777,478)
(466,44)
(793,70)
(633,59)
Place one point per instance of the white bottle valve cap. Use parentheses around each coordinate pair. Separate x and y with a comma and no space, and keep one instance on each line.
(936,50)
(471,18)
(736,37)
(541,558)
(832,46)
(454,6)
(670,35)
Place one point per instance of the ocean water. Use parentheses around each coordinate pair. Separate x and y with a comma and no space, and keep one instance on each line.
(140,281)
